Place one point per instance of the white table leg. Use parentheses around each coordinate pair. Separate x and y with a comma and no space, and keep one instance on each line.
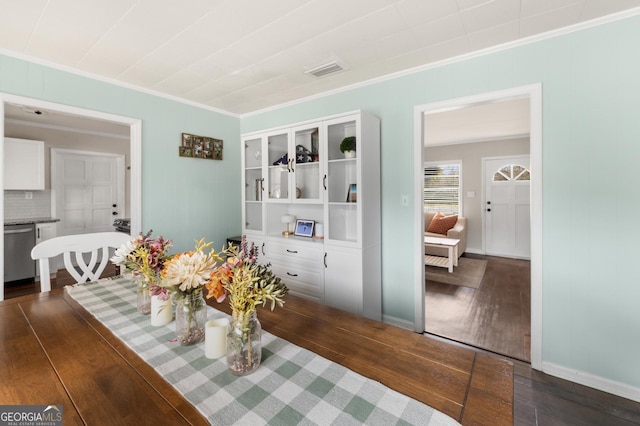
(450,263)
(455,255)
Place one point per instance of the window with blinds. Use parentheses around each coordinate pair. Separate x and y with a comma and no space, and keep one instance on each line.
(442,188)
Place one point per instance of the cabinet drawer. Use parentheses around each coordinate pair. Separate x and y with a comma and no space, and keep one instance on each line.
(301,281)
(295,252)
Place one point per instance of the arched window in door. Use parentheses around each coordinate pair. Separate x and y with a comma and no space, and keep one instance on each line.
(512,172)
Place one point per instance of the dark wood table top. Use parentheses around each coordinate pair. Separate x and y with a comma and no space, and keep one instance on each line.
(54,352)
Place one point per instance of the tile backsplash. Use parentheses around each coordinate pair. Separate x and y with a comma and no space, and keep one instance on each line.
(17,206)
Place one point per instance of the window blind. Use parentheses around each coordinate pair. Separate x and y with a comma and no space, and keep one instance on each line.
(442,188)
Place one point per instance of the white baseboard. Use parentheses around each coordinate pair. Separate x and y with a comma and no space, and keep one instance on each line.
(398,322)
(616,388)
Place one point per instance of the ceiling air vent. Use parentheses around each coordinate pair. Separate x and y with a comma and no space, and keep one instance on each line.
(326,69)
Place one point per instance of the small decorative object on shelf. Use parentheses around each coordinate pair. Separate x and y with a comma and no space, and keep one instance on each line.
(184,276)
(352,193)
(200,147)
(287,219)
(348,147)
(248,285)
(144,257)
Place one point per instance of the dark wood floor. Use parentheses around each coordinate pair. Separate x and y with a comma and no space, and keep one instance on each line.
(539,399)
(497,318)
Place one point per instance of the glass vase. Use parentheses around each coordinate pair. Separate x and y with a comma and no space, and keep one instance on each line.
(143,297)
(244,345)
(191,316)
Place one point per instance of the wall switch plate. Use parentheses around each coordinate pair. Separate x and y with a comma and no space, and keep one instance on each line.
(405,200)
(471,194)
(28,195)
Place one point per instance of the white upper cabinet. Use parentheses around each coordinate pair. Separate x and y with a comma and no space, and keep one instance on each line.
(23,164)
(294,165)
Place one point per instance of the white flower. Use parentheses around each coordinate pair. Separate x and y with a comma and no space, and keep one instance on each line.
(190,271)
(121,253)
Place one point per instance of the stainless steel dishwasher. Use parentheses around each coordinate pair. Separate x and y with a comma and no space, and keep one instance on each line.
(18,242)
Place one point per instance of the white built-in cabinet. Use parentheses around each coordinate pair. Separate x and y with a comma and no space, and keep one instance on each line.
(299,170)
(23,164)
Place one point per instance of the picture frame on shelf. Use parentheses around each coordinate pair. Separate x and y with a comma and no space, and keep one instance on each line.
(304,228)
(352,193)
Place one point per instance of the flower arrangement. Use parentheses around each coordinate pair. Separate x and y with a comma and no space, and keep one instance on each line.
(246,283)
(184,276)
(144,257)
(187,273)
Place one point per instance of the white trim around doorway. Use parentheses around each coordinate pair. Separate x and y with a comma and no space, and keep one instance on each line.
(534,93)
(135,152)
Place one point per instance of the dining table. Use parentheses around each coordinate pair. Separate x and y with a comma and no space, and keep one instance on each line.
(54,351)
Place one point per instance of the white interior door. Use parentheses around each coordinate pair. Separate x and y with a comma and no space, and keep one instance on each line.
(89,190)
(507,207)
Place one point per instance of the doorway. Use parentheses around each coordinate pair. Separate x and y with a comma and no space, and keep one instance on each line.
(135,151)
(89,190)
(534,94)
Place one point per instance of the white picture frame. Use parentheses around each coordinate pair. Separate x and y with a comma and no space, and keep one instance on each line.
(304,228)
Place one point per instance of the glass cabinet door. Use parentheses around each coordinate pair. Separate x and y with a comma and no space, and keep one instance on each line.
(254,184)
(279,164)
(307,165)
(342,183)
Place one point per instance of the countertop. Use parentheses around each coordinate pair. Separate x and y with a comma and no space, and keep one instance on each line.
(30,220)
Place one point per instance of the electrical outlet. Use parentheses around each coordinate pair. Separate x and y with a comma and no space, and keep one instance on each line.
(28,195)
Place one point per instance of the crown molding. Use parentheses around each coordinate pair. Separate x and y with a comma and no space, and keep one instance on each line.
(75,71)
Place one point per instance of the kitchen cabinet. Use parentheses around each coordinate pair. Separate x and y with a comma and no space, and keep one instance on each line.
(23,164)
(300,170)
(46,231)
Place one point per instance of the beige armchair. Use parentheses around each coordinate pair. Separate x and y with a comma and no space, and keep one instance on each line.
(459,231)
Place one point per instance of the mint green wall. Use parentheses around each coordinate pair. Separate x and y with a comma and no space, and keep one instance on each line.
(183,198)
(591,200)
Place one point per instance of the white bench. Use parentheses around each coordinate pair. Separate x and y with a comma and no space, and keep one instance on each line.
(451,244)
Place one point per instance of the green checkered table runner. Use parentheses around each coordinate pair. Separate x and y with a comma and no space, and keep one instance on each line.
(292,386)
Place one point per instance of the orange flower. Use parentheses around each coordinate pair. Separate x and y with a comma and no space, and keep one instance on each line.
(219,277)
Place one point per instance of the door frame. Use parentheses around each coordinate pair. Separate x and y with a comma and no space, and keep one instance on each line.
(135,153)
(534,93)
(56,153)
(483,200)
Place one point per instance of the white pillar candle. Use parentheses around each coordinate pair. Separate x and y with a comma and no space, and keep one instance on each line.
(161,311)
(215,338)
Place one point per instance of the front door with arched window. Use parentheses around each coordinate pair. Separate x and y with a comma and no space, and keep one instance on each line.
(507,207)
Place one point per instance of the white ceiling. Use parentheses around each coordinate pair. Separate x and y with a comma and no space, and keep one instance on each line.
(486,121)
(241,56)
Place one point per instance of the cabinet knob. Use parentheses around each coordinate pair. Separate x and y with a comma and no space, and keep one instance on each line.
(325,260)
